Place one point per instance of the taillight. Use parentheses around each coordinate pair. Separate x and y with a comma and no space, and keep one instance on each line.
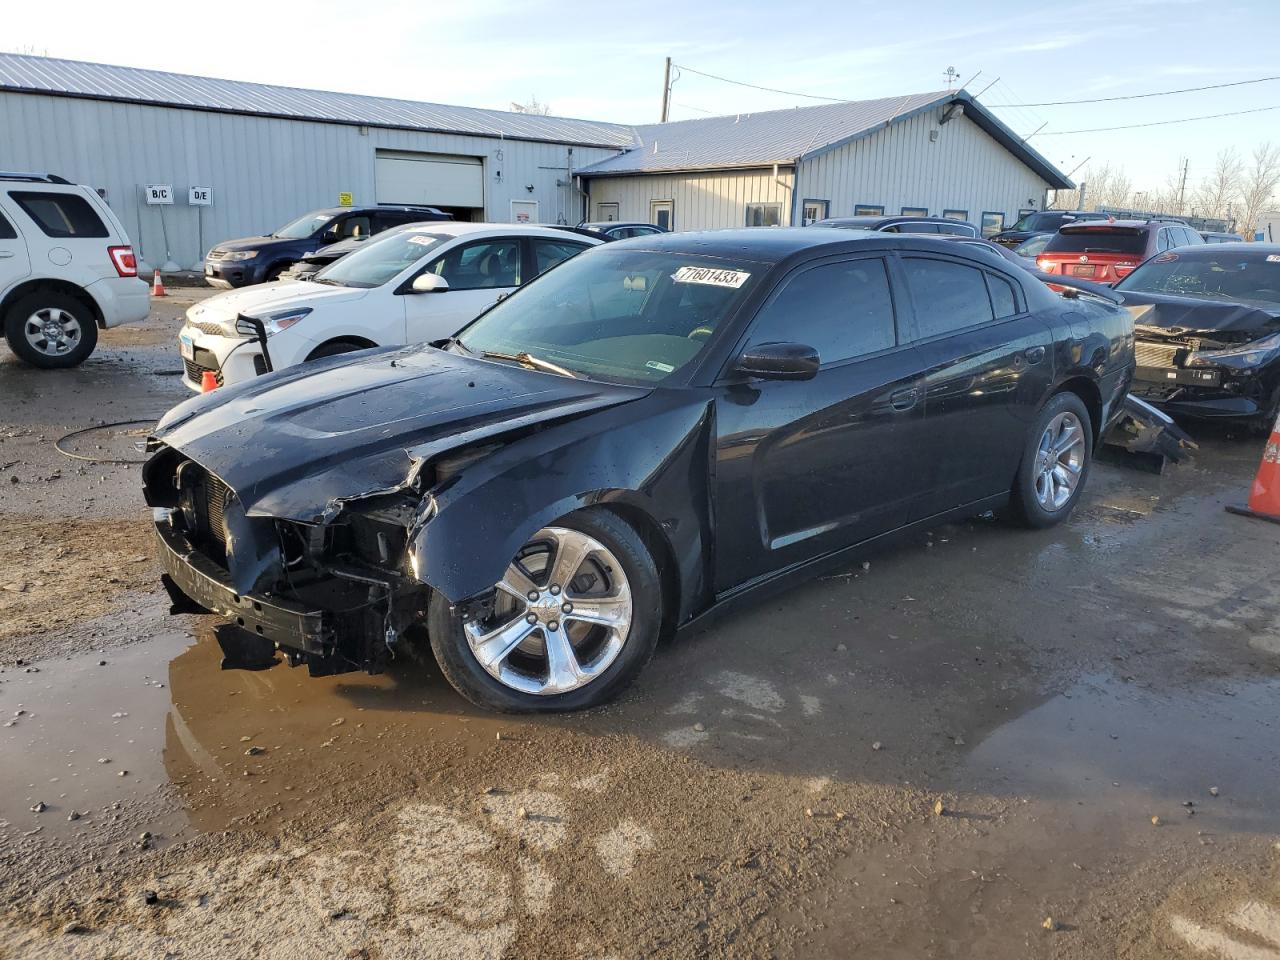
(1044,264)
(123,260)
(1123,269)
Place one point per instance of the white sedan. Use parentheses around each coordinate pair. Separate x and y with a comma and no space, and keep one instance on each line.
(414,284)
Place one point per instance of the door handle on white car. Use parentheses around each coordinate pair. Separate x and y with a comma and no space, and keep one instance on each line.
(6,254)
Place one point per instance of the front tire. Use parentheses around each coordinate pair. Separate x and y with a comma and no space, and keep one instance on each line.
(1055,463)
(51,330)
(574,620)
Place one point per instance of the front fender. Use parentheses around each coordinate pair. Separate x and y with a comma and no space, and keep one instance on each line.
(651,456)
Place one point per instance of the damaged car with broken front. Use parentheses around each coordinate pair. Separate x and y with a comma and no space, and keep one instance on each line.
(629,446)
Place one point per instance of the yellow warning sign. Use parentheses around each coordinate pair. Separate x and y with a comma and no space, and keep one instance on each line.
(345,199)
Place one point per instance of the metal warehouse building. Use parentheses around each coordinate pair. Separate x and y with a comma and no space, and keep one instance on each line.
(188,161)
(935,154)
(271,153)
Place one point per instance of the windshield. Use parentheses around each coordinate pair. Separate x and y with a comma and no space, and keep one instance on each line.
(627,315)
(1243,278)
(380,259)
(305,226)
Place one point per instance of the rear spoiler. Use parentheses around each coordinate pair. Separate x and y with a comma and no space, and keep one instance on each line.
(1075,287)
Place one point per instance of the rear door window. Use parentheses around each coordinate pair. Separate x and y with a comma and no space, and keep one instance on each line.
(547,253)
(843,310)
(6,229)
(481,265)
(1098,240)
(1003,301)
(61,215)
(947,296)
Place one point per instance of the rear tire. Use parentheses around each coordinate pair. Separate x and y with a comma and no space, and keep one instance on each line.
(605,617)
(1055,462)
(51,330)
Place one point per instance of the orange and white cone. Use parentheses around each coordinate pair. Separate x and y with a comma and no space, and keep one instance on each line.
(208,381)
(157,285)
(1264,498)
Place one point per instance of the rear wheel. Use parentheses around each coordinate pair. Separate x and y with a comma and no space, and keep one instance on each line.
(1055,463)
(51,330)
(334,348)
(573,621)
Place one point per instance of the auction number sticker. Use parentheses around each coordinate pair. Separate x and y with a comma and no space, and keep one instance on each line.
(1273,258)
(423,240)
(711,276)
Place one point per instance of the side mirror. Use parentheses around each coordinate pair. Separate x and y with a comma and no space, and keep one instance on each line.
(779,361)
(429,283)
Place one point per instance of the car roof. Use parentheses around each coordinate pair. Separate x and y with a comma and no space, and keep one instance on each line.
(866,220)
(1250,251)
(772,244)
(460,228)
(611,224)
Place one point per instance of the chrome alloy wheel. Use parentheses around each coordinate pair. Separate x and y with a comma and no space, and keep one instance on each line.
(52,331)
(561,615)
(1059,461)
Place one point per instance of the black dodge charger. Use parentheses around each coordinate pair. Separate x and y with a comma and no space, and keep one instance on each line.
(631,444)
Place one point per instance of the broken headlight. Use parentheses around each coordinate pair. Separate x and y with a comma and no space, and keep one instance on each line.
(1247,355)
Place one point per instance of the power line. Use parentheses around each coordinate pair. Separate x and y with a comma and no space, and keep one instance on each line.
(1141,96)
(753,86)
(1157,123)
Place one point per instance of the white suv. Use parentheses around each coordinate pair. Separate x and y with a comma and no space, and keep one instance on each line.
(411,284)
(66,269)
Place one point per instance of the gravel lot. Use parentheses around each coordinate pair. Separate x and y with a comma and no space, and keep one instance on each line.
(1096,708)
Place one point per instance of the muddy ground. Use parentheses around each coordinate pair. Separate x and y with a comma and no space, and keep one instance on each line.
(1097,708)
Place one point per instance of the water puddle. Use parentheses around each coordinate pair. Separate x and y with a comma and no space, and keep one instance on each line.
(1104,741)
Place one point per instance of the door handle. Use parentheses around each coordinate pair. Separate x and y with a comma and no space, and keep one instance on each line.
(6,254)
(1035,354)
(904,399)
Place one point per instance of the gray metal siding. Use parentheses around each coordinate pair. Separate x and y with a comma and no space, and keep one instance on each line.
(263,171)
(965,169)
(702,201)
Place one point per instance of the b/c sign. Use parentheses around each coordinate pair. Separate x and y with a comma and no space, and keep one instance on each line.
(161,193)
(200,197)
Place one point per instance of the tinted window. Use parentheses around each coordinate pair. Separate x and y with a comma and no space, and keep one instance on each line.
(354,227)
(842,310)
(1002,298)
(477,266)
(1098,240)
(6,230)
(61,214)
(947,296)
(912,228)
(957,229)
(547,253)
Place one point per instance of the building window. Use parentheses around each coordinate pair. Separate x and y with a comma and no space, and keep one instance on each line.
(662,213)
(606,212)
(956,214)
(915,211)
(764,214)
(1022,213)
(992,223)
(815,210)
(868,210)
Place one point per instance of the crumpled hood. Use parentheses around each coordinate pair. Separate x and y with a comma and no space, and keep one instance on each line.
(290,444)
(1177,316)
(264,298)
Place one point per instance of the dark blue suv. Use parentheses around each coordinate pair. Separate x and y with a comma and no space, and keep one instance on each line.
(238,263)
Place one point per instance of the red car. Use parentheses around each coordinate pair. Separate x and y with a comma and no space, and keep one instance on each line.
(1107,251)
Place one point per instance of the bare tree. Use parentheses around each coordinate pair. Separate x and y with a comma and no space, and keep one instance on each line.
(1103,187)
(1258,187)
(1217,193)
(533,106)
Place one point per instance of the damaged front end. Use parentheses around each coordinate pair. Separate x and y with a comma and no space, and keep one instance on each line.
(337,594)
(1148,437)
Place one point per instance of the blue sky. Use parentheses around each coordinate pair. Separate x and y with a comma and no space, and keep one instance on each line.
(604,61)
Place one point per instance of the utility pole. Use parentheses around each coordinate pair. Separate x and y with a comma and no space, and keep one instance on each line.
(1182,186)
(666,91)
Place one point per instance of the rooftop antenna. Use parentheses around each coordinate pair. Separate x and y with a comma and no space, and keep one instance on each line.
(952,75)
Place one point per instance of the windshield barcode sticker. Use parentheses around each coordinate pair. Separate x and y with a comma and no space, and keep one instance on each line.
(423,239)
(711,276)
(1273,258)
(659,365)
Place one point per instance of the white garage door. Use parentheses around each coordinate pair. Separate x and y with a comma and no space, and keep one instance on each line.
(431,178)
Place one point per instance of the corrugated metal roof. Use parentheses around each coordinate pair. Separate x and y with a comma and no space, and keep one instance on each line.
(755,139)
(130,84)
(783,136)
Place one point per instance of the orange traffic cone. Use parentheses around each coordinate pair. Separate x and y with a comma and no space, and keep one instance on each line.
(1264,498)
(208,381)
(157,285)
